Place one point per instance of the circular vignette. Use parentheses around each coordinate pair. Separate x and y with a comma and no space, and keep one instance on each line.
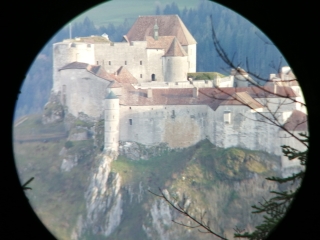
(298,51)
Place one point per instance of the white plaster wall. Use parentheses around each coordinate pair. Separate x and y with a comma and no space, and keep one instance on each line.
(154,64)
(121,52)
(245,130)
(84,92)
(85,53)
(192,57)
(152,125)
(64,54)
(179,84)
(111,124)
(175,68)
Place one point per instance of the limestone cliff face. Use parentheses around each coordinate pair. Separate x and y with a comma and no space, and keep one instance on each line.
(53,113)
(103,201)
(122,209)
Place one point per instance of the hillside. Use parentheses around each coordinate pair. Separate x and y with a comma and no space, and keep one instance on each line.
(80,193)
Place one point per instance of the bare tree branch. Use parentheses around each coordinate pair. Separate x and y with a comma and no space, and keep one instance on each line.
(183,211)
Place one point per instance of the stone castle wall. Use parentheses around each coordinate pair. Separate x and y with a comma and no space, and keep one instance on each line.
(155,65)
(83,92)
(132,56)
(192,57)
(111,124)
(67,52)
(175,68)
(178,126)
(183,126)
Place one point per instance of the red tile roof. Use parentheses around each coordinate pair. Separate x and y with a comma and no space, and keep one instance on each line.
(170,44)
(260,92)
(213,97)
(96,70)
(297,122)
(122,75)
(242,98)
(182,96)
(163,42)
(175,49)
(169,25)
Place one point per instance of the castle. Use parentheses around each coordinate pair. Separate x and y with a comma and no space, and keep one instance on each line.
(140,87)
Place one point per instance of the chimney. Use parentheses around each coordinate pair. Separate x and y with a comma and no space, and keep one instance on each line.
(149,94)
(272,76)
(155,31)
(195,92)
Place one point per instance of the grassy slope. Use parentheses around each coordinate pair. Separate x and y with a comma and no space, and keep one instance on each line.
(57,197)
(199,171)
(109,12)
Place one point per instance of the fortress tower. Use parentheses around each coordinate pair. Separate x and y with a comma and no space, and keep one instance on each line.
(111,122)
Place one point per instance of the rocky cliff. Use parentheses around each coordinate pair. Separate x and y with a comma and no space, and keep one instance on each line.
(81,192)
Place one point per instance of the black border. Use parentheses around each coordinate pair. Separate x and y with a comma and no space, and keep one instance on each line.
(292,25)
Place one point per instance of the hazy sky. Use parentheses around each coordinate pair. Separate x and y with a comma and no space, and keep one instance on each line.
(115,11)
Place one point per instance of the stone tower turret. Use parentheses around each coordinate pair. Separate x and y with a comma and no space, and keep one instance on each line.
(111,122)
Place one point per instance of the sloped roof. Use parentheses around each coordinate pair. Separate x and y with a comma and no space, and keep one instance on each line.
(213,97)
(91,39)
(75,65)
(169,25)
(96,70)
(163,42)
(122,75)
(241,98)
(183,96)
(296,122)
(126,38)
(260,92)
(175,49)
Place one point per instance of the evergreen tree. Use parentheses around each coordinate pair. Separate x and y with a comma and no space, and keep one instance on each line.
(276,207)
(158,11)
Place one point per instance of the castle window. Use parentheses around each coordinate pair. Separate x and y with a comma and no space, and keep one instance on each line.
(140,75)
(129,107)
(173,114)
(109,62)
(97,62)
(125,62)
(130,121)
(140,62)
(227,117)
(153,77)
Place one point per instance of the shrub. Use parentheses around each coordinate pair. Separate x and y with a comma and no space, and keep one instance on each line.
(68,144)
